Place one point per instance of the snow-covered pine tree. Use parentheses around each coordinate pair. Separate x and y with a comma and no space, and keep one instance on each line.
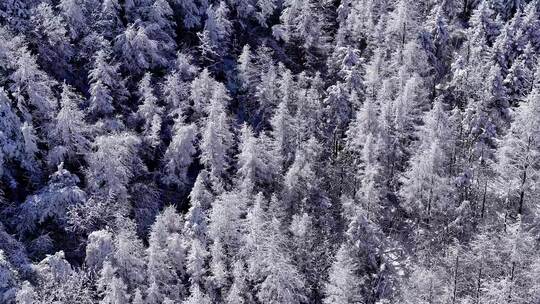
(166,256)
(518,154)
(70,133)
(217,139)
(149,112)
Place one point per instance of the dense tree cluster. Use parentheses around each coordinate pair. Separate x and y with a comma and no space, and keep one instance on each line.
(269,151)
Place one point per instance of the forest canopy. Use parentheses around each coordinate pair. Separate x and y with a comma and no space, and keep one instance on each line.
(269,151)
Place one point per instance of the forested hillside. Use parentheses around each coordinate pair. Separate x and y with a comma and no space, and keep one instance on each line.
(270,151)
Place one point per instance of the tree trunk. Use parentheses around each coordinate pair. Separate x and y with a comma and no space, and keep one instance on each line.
(523,181)
(429,205)
(483,201)
(454,294)
(511,281)
(430,292)
(522,192)
(478,285)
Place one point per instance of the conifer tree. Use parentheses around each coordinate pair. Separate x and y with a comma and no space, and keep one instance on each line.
(202,89)
(74,13)
(11,143)
(149,111)
(166,256)
(196,266)
(53,202)
(225,223)
(197,296)
(282,282)
(113,164)
(253,168)
(427,188)
(109,21)
(138,50)
(238,293)
(112,289)
(99,249)
(26,295)
(217,29)
(247,72)
(129,255)
(179,155)
(32,88)
(107,88)
(196,218)
(283,136)
(518,156)
(342,284)
(70,131)
(216,140)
